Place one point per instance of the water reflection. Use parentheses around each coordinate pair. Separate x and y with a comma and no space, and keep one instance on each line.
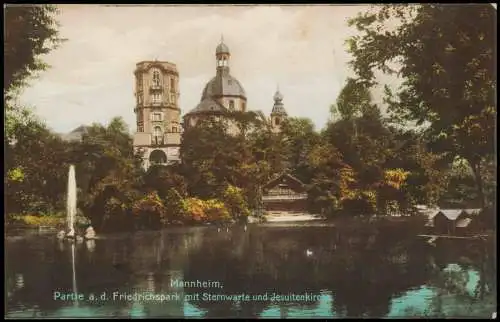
(362,274)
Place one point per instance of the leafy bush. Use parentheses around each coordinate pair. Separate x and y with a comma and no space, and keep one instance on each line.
(235,203)
(200,211)
(362,204)
(216,211)
(395,177)
(174,207)
(193,209)
(35,220)
(150,211)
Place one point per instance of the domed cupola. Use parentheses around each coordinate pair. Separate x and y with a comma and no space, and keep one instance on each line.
(278,107)
(223,84)
(222,92)
(222,48)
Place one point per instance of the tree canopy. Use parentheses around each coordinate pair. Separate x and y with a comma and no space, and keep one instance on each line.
(30,32)
(446,55)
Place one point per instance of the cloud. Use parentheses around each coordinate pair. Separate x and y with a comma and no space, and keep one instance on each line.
(301,48)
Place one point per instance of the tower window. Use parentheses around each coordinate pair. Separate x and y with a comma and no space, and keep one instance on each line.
(139,98)
(172,98)
(243,106)
(156,78)
(157,135)
(156,98)
(276,121)
(172,84)
(231,105)
(140,128)
(174,129)
(139,84)
(156,117)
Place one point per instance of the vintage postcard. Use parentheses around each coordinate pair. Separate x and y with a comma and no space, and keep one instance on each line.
(250,161)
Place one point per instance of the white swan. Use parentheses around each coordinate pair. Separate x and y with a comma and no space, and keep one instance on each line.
(309,252)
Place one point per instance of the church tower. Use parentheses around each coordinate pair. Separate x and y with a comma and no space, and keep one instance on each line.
(278,114)
(158,114)
(222,94)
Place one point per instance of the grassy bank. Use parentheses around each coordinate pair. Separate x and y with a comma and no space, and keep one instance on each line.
(34,221)
(40,220)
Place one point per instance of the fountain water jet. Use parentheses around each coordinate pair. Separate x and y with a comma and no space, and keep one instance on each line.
(71,201)
(75,290)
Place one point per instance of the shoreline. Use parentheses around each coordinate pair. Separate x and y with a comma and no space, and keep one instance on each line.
(53,223)
(292,218)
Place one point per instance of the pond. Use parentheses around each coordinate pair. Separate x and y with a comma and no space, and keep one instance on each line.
(256,271)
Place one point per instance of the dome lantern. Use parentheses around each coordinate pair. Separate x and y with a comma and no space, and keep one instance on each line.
(222,56)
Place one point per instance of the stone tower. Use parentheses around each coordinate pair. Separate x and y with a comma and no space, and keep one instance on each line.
(278,113)
(158,114)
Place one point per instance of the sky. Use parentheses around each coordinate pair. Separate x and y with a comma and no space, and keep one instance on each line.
(300,48)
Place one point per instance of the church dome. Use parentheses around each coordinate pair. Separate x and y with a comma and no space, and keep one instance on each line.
(222,48)
(278,96)
(223,85)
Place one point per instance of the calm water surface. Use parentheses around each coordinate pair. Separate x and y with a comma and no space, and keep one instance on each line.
(372,274)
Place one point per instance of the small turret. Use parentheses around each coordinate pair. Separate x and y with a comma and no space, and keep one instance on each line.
(278,113)
(222,56)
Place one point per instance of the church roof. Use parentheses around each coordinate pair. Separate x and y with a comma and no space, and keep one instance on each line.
(223,85)
(207,105)
(222,48)
(278,107)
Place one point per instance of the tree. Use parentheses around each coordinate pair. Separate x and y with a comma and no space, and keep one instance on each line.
(36,166)
(235,203)
(30,31)
(35,157)
(174,207)
(324,189)
(428,177)
(164,178)
(446,54)
(213,158)
(353,100)
(207,153)
(109,173)
(299,140)
(150,211)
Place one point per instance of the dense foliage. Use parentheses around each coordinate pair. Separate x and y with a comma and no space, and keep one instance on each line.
(361,163)
(446,55)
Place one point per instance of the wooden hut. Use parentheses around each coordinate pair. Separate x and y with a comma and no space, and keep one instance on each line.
(467,221)
(285,193)
(451,221)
